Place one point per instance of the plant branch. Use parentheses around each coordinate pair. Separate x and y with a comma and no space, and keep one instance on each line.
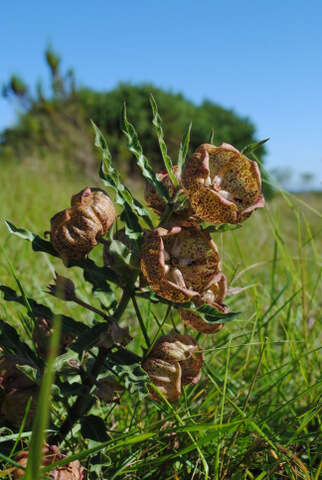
(141,322)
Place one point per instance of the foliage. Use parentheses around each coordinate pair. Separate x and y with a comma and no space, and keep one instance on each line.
(253,413)
(58,122)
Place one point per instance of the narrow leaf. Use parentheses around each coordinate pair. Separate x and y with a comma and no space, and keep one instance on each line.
(136,148)
(157,122)
(211,315)
(253,146)
(212,136)
(183,149)
(112,179)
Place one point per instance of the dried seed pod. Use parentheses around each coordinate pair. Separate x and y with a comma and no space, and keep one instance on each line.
(76,230)
(222,184)
(179,263)
(51,454)
(114,335)
(173,362)
(63,288)
(166,376)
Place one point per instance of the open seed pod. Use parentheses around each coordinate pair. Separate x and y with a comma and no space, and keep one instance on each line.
(222,184)
(76,230)
(179,263)
(51,454)
(172,363)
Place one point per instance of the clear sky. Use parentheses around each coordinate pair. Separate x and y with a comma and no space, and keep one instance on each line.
(261,58)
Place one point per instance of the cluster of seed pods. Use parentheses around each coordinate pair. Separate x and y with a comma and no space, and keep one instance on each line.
(179,260)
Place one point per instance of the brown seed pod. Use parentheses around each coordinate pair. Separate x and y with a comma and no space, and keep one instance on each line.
(76,230)
(51,454)
(179,263)
(222,184)
(173,362)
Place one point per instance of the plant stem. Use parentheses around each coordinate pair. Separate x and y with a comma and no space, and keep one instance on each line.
(140,319)
(82,404)
(93,309)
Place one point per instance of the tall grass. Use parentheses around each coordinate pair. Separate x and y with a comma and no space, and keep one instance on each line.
(255,413)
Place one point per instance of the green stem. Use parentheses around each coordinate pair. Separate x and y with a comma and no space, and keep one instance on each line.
(140,319)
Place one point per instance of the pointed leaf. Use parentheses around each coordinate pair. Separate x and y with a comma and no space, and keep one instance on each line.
(157,122)
(253,146)
(183,149)
(136,148)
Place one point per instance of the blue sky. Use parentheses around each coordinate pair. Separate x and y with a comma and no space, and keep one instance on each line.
(261,58)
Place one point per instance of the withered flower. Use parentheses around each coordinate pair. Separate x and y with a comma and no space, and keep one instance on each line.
(51,454)
(76,230)
(179,264)
(222,184)
(173,362)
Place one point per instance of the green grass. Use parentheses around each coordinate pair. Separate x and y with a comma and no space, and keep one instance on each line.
(255,412)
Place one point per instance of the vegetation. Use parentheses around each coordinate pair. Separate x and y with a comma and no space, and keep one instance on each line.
(254,413)
(56,121)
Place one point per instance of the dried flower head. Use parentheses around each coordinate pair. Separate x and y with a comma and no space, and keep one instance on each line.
(179,264)
(51,454)
(173,362)
(222,184)
(76,230)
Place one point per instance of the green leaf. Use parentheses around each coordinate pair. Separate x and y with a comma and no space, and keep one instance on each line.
(253,146)
(210,314)
(30,372)
(93,427)
(183,149)
(134,377)
(157,122)
(136,148)
(11,343)
(212,136)
(20,232)
(210,228)
(112,179)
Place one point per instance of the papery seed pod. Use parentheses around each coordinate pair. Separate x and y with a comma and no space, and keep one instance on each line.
(76,230)
(179,263)
(166,376)
(108,390)
(222,184)
(14,404)
(51,454)
(42,333)
(173,362)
